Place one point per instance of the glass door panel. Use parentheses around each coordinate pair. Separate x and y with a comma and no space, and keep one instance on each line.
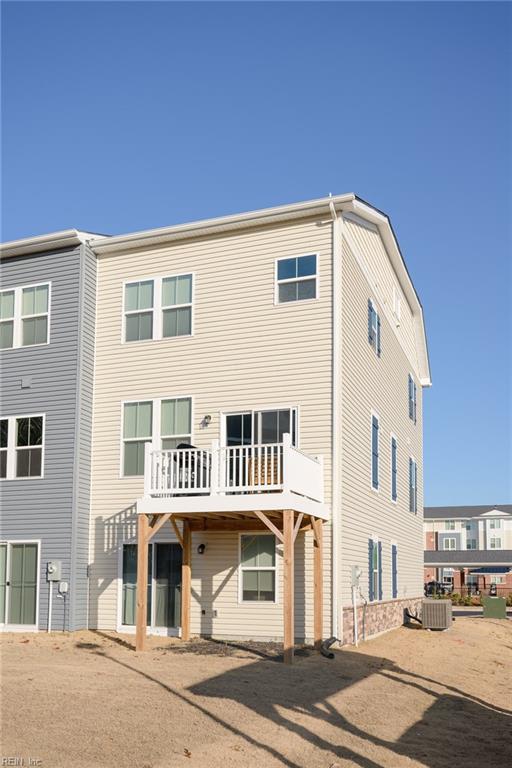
(23,584)
(168,585)
(3,580)
(129,599)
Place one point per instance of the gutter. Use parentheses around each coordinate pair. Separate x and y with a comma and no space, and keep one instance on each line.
(54,241)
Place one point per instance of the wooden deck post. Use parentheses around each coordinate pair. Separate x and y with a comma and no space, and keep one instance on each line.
(318,582)
(186,581)
(142,581)
(288,586)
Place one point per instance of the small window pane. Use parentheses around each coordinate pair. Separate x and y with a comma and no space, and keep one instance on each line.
(35,331)
(6,334)
(28,301)
(184,289)
(306,266)
(267,551)
(6,304)
(266,585)
(177,322)
(306,289)
(36,430)
(22,432)
(183,407)
(138,420)
(3,464)
(134,458)
(169,291)
(4,432)
(269,433)
(139,327)
(287,292)
(250,585)
(250,551)
(28,462)
(139,295)
(176,417)
(170,443)
(286,269)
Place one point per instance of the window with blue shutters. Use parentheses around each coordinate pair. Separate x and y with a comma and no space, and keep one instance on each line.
(412,399)
(394,570)
(379,567)
(375,452)
(413,486)
(374,570)
(394,469)
(373,327)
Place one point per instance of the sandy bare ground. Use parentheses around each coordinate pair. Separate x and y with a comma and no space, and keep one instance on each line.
(408,698)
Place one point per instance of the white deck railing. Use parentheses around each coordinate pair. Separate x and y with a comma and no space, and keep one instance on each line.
(244,469)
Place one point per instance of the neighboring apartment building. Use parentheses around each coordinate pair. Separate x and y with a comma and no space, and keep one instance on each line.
(47,308)
(229,335)
(469,546)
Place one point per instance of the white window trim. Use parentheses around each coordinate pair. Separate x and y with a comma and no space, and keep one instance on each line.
(156,438)
(391,438)
(495,525)
(277,282)
(17,318)
(11,447)
(5,627)
(467,542)
(450,538)
(274,568)
(376,541)
(157,308)
(372,416)
(495,538)
(253,412)
(451,528)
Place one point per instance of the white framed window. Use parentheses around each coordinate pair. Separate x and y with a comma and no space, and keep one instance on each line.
(374,569)
(375,452)
(158,308)
(373,327)
(497,579)
(296,278)
(449,543)
(257,567)
(495,542)
(25,316)
(22,447)
(449,525)
(496,524)
(470,543)
(447,576)
(165,422)
(394,468)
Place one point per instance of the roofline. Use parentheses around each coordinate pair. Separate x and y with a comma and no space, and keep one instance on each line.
(66,238)
(320,206)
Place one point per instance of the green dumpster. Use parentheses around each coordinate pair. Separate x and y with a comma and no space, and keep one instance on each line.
(494,607)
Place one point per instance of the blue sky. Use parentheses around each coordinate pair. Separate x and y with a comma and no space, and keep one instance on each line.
(124,116)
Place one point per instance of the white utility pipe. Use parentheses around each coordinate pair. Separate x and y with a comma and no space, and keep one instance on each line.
(50,593)
(354,605)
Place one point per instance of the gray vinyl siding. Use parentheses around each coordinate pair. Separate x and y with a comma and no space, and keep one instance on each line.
(51,509)
(448,535)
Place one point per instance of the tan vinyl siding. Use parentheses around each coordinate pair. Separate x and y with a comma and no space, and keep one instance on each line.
(370,383)
(245,353)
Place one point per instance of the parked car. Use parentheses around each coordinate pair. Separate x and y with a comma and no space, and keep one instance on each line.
(435,588)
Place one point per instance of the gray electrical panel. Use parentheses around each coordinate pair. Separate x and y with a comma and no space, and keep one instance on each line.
(53,569)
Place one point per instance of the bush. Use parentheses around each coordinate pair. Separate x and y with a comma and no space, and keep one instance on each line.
(509,599)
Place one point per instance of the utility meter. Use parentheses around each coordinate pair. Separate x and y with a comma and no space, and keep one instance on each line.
(356,575)
(63,587)
(53,569)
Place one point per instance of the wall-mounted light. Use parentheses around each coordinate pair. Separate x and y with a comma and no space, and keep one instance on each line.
(201,548)
(207,420)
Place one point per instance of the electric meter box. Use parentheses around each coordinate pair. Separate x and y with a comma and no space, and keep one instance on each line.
(53,569)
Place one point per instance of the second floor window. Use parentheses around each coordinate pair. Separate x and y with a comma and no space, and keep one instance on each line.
(375,452)
(470,543)
(495,524)
(412,399)
(449,543)
(373,327)
(21,447)
(495,543)
(24,316)
(296,279)
(160,308)
(413,486)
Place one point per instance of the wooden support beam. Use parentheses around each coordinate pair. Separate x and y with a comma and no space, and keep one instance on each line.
(318,596)
(142,581)
(177,531)
(159,523)
(186,581)
(298,523)
(288,586)
(270,525)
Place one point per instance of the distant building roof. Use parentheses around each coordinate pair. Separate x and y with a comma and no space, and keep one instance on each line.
(468,557)
(452,513)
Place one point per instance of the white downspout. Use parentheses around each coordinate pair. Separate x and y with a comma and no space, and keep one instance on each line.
(336,432)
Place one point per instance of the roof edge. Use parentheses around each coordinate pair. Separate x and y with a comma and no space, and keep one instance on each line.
(65,238)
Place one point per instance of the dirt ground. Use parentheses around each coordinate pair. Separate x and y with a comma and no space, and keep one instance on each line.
(407,698)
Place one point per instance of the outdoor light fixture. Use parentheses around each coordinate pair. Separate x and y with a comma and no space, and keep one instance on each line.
(207,419)
(201,548)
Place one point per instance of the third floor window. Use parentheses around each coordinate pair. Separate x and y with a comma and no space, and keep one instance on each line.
(24,316)
(159,308)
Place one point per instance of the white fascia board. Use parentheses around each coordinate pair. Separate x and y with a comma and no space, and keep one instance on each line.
(67,238)
(202,505)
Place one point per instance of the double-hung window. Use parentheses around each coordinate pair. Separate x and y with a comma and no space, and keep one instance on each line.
(375,452)
(394,571)
(24,316)
(166,423)
(495,524)
(449,525)
(160,308)
(449,543)
(412,399)
(470,543)
(373,327)
(258,567)
(394,468)
(21,447)
(297,278)
(374,569)
(413,486)
(495,543)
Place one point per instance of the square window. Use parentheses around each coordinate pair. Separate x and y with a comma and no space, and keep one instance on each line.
(297,279)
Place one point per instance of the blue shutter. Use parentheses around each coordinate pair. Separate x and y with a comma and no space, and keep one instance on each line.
(378,335)
(370,313)
(410,486)
(414,400)
(370,569)
(394,573)
(380,570)
(375,452)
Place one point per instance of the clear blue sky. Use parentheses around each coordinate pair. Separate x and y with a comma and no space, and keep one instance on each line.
(124,116)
